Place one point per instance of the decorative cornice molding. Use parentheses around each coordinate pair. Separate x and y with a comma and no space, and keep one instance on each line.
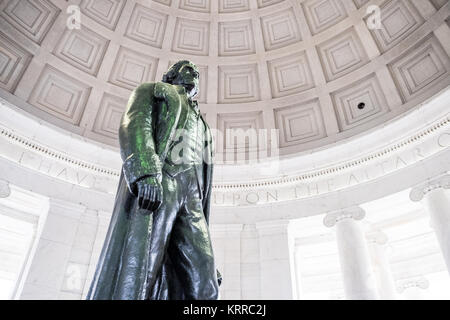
(5,190)
(360,160)
(332,170)
(57,155)
(419,192)
(221,187)
(331,219)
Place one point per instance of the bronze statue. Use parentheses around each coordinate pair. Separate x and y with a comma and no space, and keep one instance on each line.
(158,244)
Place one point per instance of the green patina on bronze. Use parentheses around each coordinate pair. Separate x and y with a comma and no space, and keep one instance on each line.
(158,244)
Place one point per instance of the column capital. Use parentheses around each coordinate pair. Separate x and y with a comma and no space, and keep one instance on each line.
(5,190)
(420,282)
(377,237)
(355,213)
(441,182)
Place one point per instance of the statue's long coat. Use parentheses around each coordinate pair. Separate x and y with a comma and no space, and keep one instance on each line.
(148,129)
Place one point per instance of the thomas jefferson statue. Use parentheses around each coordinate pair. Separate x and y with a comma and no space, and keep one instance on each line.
(158,244)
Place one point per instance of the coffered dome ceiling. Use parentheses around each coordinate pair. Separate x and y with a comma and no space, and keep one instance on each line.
(312,68)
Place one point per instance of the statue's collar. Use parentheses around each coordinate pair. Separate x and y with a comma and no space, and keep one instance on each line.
(192,103)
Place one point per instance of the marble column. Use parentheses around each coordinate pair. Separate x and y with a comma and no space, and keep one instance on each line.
(377,242)
(75,281)
(357,273)
(413,289)
(250,273)
(226,240)
(434,196)
(276,252)
(103,221)
(298,276)
(49,266)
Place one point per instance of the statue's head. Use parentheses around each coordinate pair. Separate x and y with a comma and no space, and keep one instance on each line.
(184,73)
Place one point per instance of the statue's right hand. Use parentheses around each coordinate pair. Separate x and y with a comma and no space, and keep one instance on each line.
(149,193)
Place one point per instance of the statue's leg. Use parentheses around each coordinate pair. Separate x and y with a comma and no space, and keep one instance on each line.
(167,286)
(163,221)
(190,247)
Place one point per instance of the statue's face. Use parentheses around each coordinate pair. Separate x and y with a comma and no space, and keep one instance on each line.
(188,77)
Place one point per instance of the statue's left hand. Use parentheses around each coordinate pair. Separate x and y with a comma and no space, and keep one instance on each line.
(149,193)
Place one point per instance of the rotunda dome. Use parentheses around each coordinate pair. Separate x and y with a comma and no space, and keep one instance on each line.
(318,71)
